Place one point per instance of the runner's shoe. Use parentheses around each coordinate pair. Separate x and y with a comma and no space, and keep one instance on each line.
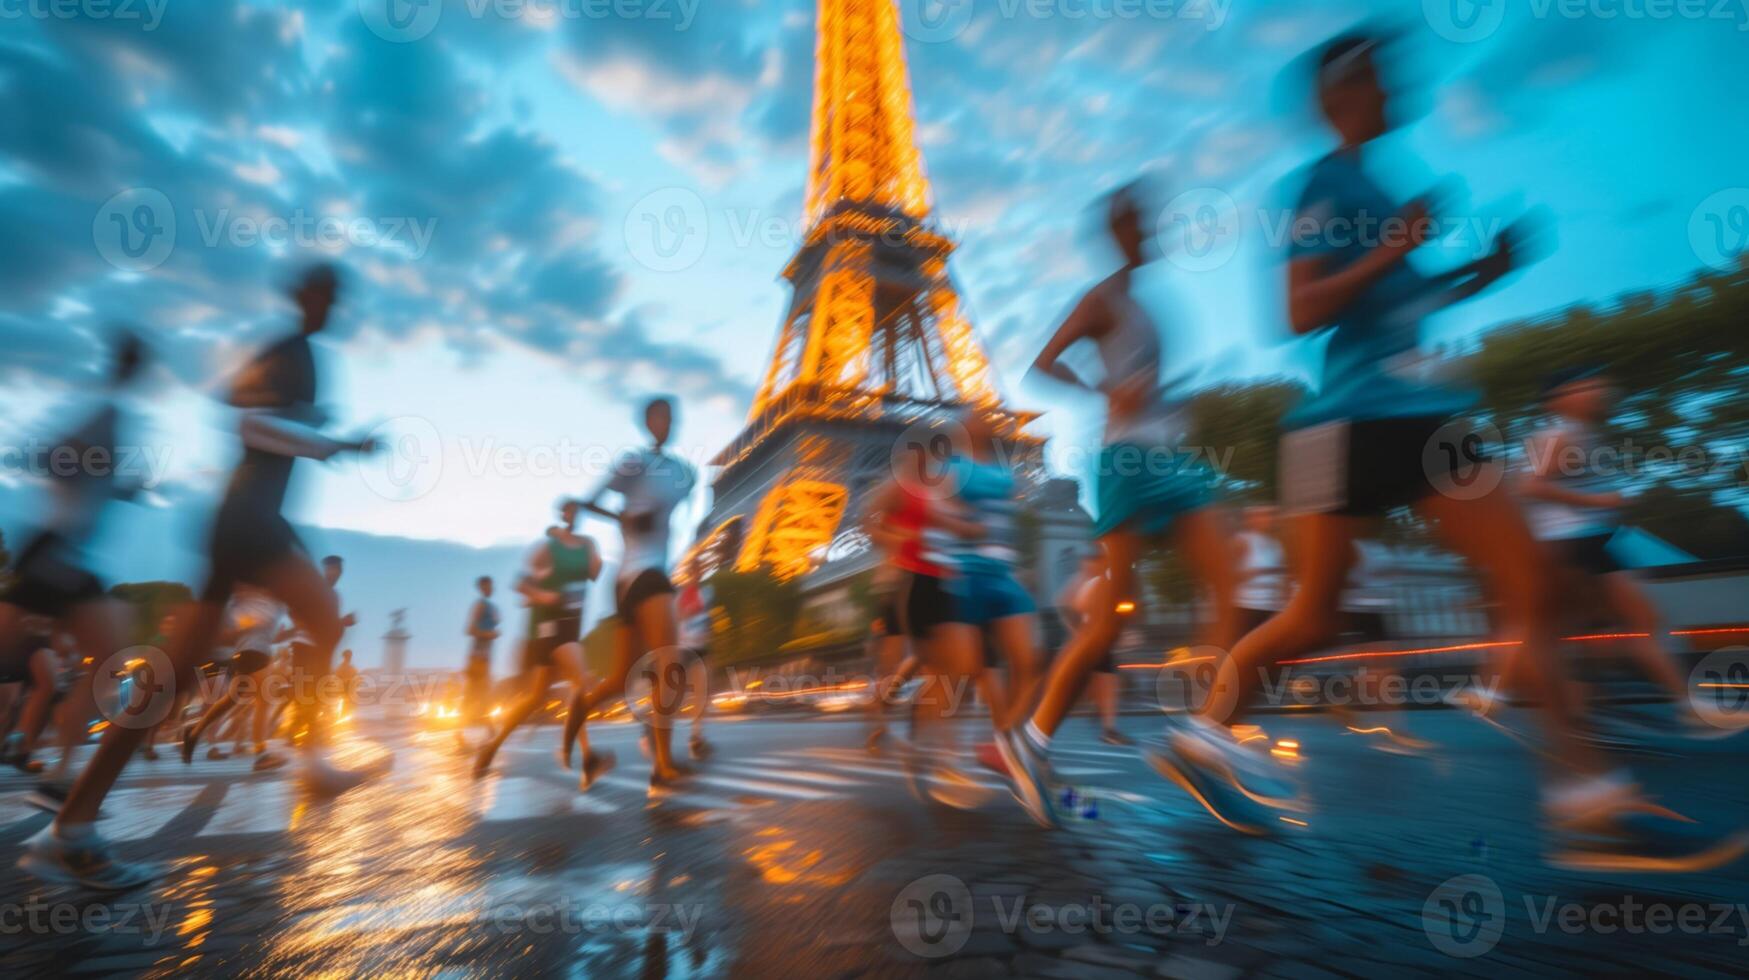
(698,747)
(86,861)
(595,766)
(1648,839)
(663,783)
(952,788)
(1028,776)
(1216,792)
(216,754)
(27,765)
(268,761)
(1112,736)
(1212,749)
(323,779)
(990,757)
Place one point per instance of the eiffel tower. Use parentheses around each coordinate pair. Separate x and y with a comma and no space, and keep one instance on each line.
(875,340)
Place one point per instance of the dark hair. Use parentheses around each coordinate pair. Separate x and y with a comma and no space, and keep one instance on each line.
(1341,56)
(483,580)
(333,560)
(1555,381)
(321,275)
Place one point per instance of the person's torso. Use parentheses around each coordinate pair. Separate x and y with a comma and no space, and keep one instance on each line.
(987,491)
(1373,367)
(657,484)
(256,621)
(282,381)
(568,567)
(1573,450)
(910,522)
(82,474)
(1131,352)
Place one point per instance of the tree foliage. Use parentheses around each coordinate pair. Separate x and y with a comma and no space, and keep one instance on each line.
(149,603)
(760,612)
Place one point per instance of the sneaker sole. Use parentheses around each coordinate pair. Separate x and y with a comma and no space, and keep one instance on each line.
(46,870)
(1033,796)
(1718,855)
(1183,779)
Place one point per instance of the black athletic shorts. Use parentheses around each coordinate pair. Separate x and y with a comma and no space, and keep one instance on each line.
(648,584)
(1590,554)
(1368,467)
(244,545)
(48,580)
(923,604)
(549,635)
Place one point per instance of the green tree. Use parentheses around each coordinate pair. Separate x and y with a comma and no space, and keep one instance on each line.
(760,613)
(150,602)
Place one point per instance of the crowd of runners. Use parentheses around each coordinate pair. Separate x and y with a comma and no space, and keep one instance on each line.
(954,615)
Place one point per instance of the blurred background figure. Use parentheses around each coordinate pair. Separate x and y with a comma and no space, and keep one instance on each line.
(51,577)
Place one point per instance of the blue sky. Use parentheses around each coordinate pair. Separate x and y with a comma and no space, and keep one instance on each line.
(491,177)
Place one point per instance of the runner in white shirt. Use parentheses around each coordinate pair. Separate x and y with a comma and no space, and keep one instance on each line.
(650,483)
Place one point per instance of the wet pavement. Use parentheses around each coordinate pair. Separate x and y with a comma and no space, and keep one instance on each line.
(796,853)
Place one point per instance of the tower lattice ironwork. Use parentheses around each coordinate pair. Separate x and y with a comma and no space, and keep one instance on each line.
(875,339)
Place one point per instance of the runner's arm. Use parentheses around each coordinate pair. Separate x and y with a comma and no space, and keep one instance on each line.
(284,437)
(1081,322)
(538,565)
(1316,297)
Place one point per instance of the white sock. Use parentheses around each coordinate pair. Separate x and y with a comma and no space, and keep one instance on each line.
(1039,740)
